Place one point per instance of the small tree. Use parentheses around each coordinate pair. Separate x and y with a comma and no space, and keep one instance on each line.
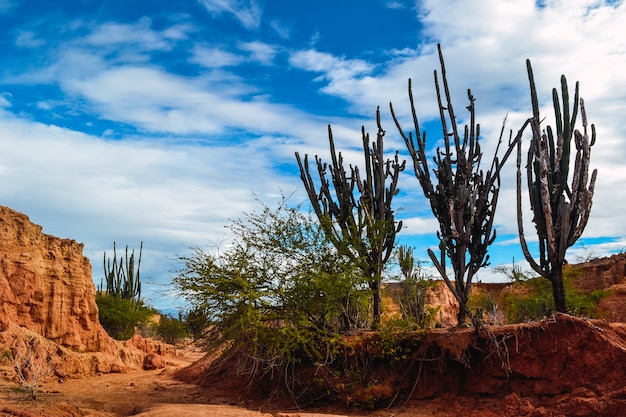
(515,273)
(358,219)
(278,270)
(120,316)
(560,211)
(464,198)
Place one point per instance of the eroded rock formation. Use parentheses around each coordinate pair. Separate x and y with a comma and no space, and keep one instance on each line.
(46,286)
(48,302)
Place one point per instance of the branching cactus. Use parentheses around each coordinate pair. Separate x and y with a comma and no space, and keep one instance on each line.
(122,279)
(561,211)
(358,219)
(462,196)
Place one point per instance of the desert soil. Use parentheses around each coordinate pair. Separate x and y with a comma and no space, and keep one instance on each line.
(157,393)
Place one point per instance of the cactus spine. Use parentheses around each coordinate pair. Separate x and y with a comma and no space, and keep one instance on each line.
(560,211)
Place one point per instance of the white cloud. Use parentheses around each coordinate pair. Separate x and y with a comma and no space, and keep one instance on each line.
(27,39)
(5,100)
(284,31)
(214,57)
(333,68)
(247,12)
(259,52)
(161,102)
(135,35)
(420,226)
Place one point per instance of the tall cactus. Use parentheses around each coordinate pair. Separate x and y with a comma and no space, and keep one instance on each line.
(359,222)
(122,279)
(464,198)
(560,211)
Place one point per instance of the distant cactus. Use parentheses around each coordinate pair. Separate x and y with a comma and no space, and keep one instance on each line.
(560,212)
(122,279)
(412,299)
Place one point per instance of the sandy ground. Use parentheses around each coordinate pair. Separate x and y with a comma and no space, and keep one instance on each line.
(157,394)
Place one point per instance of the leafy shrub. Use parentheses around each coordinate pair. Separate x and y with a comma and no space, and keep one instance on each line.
(171,330)
(197,322)
(538,302)
(120,316)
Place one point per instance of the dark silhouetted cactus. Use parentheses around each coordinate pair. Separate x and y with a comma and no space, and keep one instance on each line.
(560,211)
(464,197)
(122,280)
(358,219)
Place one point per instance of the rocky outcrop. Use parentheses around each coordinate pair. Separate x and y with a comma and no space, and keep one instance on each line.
(48,305)
(438,299)
(46,286)
(598,273)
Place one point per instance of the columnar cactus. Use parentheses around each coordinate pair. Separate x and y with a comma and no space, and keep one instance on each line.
(359,222)
(464,197)
(121,278)
(560,211)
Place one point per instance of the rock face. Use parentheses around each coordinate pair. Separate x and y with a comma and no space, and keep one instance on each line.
(46,286)
(599,273)
(438,297)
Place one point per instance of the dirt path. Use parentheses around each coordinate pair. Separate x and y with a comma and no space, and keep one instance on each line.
(155,394)
(158,394)
(145,393)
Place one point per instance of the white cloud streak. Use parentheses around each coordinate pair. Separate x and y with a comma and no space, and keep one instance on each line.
(247,12)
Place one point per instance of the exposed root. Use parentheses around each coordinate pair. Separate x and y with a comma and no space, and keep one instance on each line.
(497,347)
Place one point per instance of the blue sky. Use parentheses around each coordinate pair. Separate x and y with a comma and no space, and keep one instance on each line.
(157,120)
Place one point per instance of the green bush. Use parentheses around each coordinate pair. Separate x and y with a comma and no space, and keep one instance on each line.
(196,322)
(539,301)
(120,316)
(171,330)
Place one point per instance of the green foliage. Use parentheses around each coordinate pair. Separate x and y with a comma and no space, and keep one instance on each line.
(279,293)
(196,322)
(171,330)
(535,300)
(122,279)
(120,316)
(412,295)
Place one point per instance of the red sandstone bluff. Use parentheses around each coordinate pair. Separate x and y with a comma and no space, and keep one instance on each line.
(47,295)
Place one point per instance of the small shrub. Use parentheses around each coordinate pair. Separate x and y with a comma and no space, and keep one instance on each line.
(539,301)
(171,330)
(486,308)
(32,366)
(197,322)
(120,316)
